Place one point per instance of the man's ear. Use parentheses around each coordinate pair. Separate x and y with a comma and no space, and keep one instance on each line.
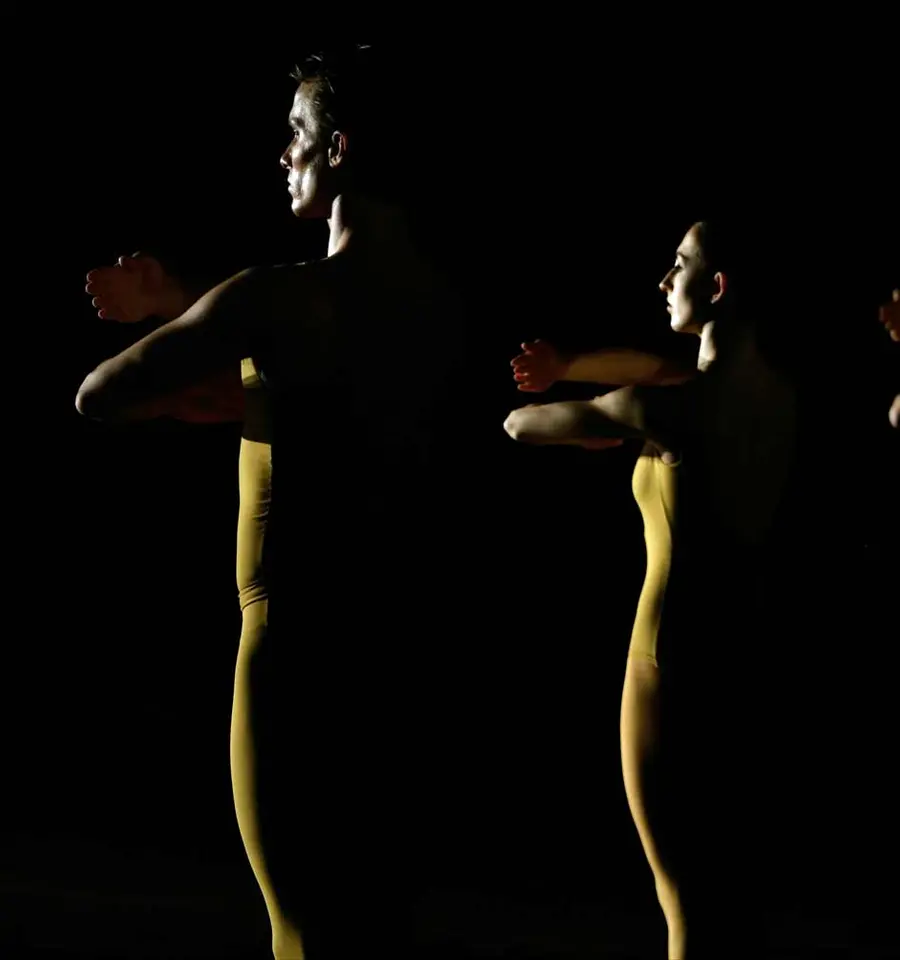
(337,150)
(720,286)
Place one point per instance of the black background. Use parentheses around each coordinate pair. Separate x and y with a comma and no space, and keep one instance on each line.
(564,170)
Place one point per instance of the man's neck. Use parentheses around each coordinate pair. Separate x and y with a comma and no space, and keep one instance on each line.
(356,219)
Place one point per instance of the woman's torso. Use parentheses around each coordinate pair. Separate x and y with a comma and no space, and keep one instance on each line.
(711,518)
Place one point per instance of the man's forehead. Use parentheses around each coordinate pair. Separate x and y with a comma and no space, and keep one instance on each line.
(300,108)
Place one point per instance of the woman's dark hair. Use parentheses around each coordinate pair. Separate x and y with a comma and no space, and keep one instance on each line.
(723,242)
(759,256)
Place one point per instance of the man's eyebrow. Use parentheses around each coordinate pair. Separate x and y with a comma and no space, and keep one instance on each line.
(680,253)
(295,120)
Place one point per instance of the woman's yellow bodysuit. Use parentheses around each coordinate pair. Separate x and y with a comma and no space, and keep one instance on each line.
(683,759)
(654,486)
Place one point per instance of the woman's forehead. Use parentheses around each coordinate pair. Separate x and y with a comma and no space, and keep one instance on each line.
(690,243)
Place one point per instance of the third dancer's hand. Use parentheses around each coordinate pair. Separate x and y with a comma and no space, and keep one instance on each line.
(889,315)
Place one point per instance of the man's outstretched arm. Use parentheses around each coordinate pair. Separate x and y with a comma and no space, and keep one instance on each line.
(215,333)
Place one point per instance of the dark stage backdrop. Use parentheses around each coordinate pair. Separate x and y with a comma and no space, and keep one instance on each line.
(561,180)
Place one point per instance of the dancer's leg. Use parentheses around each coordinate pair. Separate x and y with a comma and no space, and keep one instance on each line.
(640,745)
(245,771)
(319,794)
(691,792)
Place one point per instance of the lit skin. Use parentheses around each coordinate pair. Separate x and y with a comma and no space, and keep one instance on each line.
(222,326)
(139,287)
(644,407)
(889,315)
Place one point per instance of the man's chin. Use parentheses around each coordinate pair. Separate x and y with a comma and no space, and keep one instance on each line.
(304,210)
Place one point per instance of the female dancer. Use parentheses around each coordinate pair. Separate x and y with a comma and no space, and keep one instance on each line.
(709,480)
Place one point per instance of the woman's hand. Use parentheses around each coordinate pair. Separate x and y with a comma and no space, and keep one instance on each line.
(539,367)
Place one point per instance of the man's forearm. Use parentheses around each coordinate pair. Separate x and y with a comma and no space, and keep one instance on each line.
(218,399)
(626,368)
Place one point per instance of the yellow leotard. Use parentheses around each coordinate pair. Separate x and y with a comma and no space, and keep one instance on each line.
(255,479)
(341,537)
(653,484)
(255,472)
(686,722)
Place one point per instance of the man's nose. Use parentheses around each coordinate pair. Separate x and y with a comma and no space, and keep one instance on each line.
(285,160)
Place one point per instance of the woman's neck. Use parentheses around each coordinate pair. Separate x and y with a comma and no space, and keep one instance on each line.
(724,340)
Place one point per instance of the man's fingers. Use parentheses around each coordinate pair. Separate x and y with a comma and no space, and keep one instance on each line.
(99,275)
(105,308)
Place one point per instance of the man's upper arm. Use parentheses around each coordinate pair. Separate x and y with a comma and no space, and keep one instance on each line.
(215,332)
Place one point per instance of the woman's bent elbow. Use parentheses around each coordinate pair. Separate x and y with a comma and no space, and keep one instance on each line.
(513,426)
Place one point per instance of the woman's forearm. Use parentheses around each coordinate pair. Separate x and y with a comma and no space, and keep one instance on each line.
(569,422)
(626,368)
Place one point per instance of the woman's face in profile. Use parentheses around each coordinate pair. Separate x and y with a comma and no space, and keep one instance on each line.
(687,286)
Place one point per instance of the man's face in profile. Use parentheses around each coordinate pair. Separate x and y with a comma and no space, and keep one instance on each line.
(306,159)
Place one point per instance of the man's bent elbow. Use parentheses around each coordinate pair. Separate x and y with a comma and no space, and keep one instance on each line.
(89,399)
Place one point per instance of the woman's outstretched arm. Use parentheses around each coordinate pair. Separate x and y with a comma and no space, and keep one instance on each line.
(651,413)
(540,365)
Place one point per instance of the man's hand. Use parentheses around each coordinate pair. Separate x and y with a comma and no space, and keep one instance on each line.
(136,288)
(539,367)
(889,315)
